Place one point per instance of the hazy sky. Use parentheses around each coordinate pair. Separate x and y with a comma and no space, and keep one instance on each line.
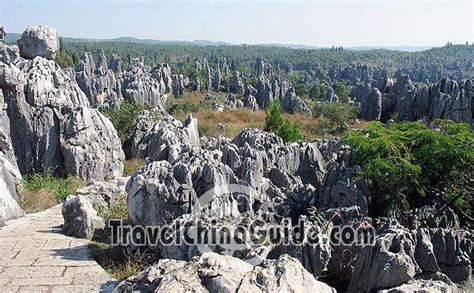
(319,23)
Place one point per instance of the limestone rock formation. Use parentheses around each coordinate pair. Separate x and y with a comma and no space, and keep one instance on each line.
(147,85)
(217,273)
(331,97)
(446,99)
(9,174)
(217,80)
(371,106)
(100,84)
(177,83)
(291,103)
(53,122)
(231,102)
(90,146)
(399,254)
(40,41)
(163,139)
(249,98)
(264,93)
(80,218)
(237,85)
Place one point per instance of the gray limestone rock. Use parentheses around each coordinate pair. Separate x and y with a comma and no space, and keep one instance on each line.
(371,106)
(291,103)
(217,273)
(80,218)
(40,41)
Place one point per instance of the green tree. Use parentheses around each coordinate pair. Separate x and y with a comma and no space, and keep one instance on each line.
(275,122)
(125,117)
(342,91)
(410,164)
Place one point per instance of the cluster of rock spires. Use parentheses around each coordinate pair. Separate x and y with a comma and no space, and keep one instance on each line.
(285,179)
(48,122)
(403,100)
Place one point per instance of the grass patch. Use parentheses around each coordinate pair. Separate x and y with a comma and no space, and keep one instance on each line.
(132,165)
(116,262)
(322,124)
(33,201)
(117,211)
(42,191)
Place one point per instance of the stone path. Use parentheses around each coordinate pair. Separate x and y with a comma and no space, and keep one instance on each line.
(36,257)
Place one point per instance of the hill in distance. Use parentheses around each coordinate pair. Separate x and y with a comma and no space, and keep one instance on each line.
(13,37)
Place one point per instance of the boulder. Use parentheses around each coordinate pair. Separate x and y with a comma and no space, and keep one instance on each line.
(40,41)
(80,218)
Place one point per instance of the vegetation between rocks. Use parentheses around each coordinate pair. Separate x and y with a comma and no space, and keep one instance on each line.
(410,164)
(41,191)
(284,128)
(125,117)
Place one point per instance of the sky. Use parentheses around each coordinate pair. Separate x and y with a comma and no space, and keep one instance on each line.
(317,23)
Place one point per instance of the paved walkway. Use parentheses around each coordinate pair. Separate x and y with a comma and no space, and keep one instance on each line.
(36,257)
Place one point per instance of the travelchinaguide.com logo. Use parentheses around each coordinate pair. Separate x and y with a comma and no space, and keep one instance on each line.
(232,220)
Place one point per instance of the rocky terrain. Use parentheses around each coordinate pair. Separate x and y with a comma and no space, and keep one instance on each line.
(53,119)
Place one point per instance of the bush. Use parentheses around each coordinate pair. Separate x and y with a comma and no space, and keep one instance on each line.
(125,117)
(274,122)
(409,164)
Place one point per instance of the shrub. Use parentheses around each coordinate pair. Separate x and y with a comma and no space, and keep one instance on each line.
(125,117)
(405,162)
(275,122)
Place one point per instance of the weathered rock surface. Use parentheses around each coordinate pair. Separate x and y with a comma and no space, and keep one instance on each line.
(231,102)
(177,84)
(249,98)
(163,139)
(217,273)
(400,254)
(40,41)
(447,99)
(264,93)
(90,146)
(80,218)
(147,85)
(9,174)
